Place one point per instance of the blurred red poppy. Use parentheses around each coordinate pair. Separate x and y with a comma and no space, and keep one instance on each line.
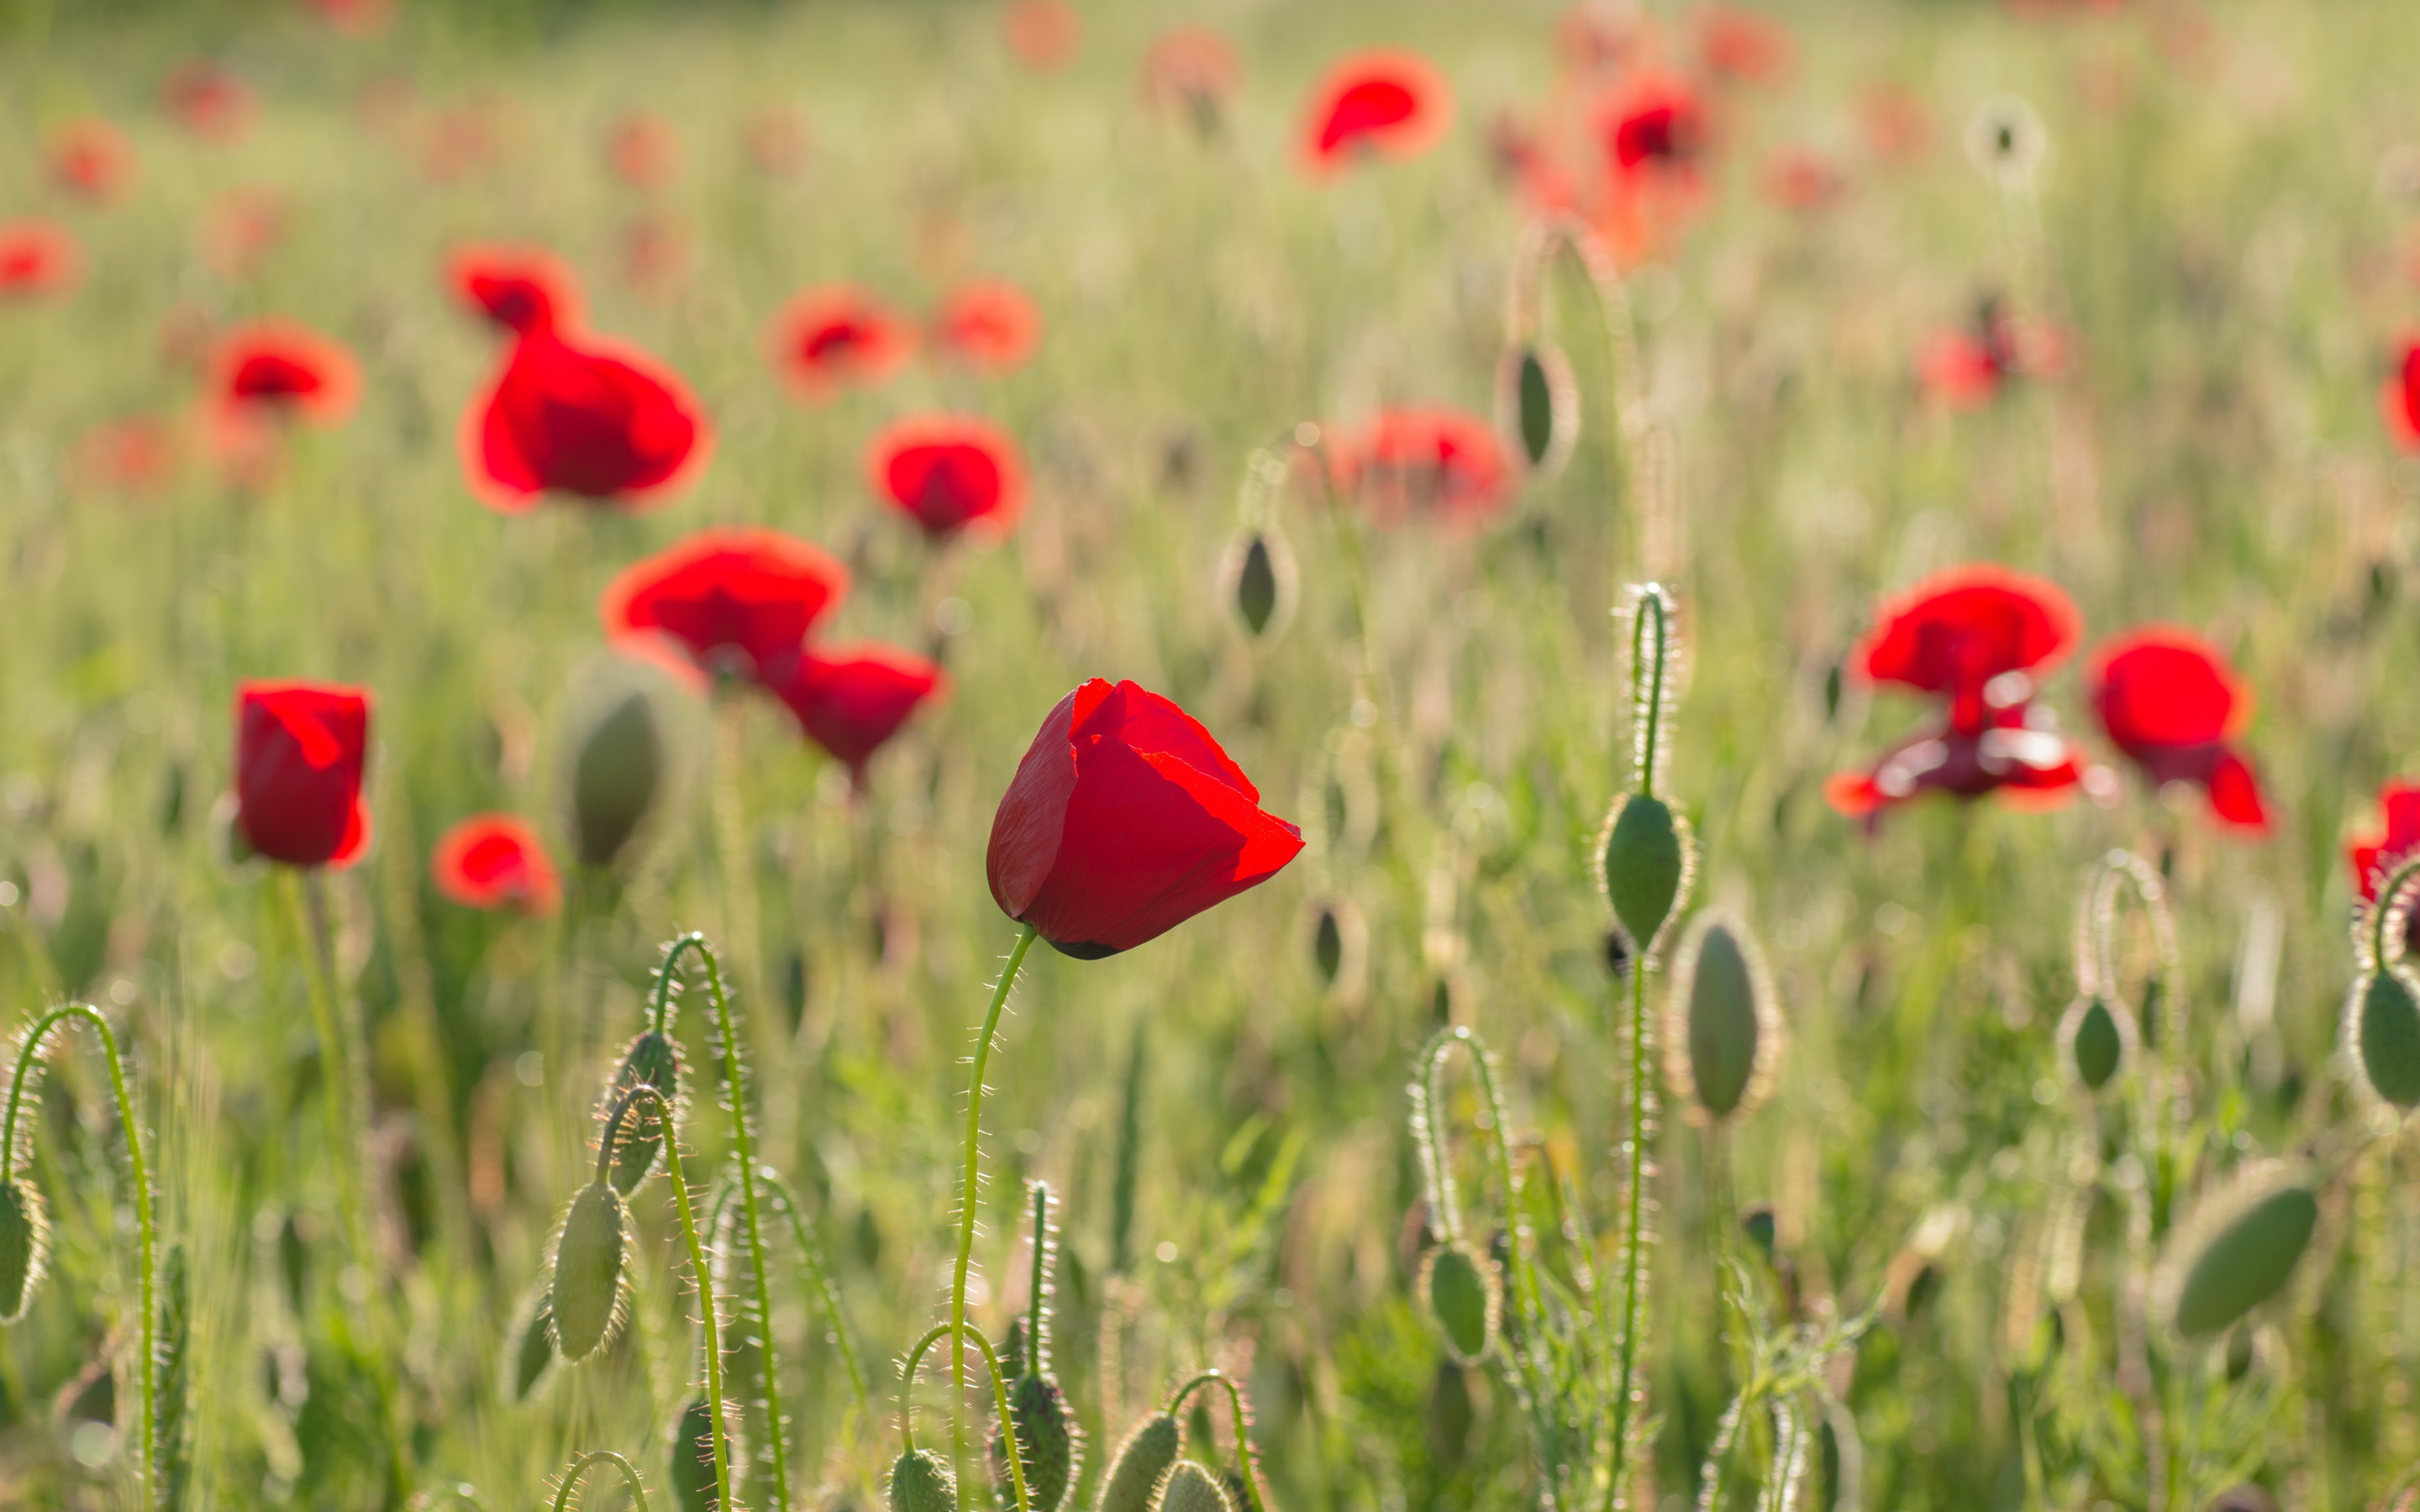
(2399,398)
(1975,635)
(208,100)
(948,472)
(1742,45)
(738,602)
(1045,35)
(851,700)
(643,149)
(1800,179)
(283,368)
(1968,369)
(496,861)
(1654,127)
(778,140)
(1124,820)
(2376,854)
(2017,753)
(133,456)
(240,227)
(92,158)
(585,417)
(356,18)
(299,749)
(992,326)
(519,289)
(38,259)
(2169,701)
(1897,123)
(1190,72)
(835,336)
(1385,102)
(1424,462)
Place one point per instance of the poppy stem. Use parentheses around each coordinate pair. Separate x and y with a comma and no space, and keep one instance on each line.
(147,1362)
(739,863)
(579,1468)
(1226,1382)
(1628,1393)
(308,916)
(707,1327)
(819,1276)
(999,1392)
(974,1157)
(1649,651)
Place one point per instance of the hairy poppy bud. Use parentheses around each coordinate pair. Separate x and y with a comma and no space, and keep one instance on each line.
(1465,1297)
(530,1341)
(617,773)
(24,1242)
(1193,1489)
(2382,1031)
(922,1482)
(1647,861)
(2094,1037)
(1258,580)
(2238,1251)
(655,1060)
(1048,1440)
(1140,1465)
(588,1291)
(1538,406)
(1728,1031)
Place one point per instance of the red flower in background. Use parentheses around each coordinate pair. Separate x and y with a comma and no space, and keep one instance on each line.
(835,336)
(356,18)
(2399,398)
(283,368)
(137,455)
(852,699)
(299,749)
(1897,123)
(1385,102)
(642,150)
(1654,128)
(2018,754)
(580,416)
(2170,702)
(93,159)
(738,602)
(948,472)
(1045,35)
(1191,72)
(38,259)
(1124,820)
(208,100)
(1745,46)
(520,290)
(495,862)
(2374,856)
(1424,462)
(992,326)
(778,140)
(1968,369)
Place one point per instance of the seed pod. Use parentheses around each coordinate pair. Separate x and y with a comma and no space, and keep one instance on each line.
(2381,1037)
(587,1294)
(2095,1039)
(617,773)
(1048,1440)
(1259,582)
(1538,406)
(1193,1489)
(1725,1033)
(1140,1465)
(922,1482)
(692,1456)
(655,1060)
(2238,1251)
(1465,1297)
(531,1342)
(1647,859)
(24,1243)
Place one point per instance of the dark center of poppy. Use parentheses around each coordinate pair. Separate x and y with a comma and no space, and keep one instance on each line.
(274,376)
(837,342)
(1665,133)
(1367,109)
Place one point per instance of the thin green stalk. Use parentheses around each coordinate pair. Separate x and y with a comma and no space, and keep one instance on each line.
(1038,1280)
(601,1457)
(147,1358)
(811,1254)
(1243,1438)
(974,1143)
(1651,608)
(999,1393)
(697,1263)
(335,1060)
(1634,1259)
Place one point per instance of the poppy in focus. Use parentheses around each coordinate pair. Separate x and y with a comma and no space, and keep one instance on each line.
(835,336)
(1124,820)
(1426,462)
(1385,102)
(520,290)
(2169,701)
(1190,72)
(300,751)
(93,159)
(208,100)
(1045,35)
(738,602)
(495,862)
(38,259)
(948,472)
(990,326)
(593,419)
(642,150)
(852,699)
(283,368)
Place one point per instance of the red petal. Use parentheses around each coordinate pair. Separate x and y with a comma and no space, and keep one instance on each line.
(2163,686)
(2235,794)
(1954,632)
(1027,829)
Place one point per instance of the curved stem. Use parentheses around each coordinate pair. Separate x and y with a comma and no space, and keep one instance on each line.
(998,1394)
(697,1265)
(1243,1438)
(600,1456)
(146,1360)
(1524,1291)
(974,1141)
(811,1254)
(1647,678)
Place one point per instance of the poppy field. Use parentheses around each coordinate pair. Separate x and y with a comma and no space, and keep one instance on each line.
(1210,758)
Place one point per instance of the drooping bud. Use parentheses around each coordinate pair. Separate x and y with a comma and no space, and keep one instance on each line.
(587,1294)
(2094,1039)
(24,1244)
(1141,1462)
(1463,1296)
(1193,1489)
(922,1482)
(653,1059)
(1726,1032)
(2381,1037)
(617,773)
(2237,1251)
(1538,406)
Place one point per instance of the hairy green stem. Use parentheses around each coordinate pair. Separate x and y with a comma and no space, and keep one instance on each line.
(1651,608)
(999,1393)
(601,1457)
(147,1359)
(819,1276)
(1525,1286)
(974,1143)
(1040,1278)
(1243,1438)
(1633,1239)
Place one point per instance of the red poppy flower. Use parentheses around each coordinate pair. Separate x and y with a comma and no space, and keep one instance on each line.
(240,229)
(1742,45)
(1428,462)
(833,336)
(1897,123)
(2169,700)
(1123,821)
(2374,856)
(299,753)
(1191,72)
(133,456)
(585,417)
(208,100)
(1968,369)
(495,862)
(1655,126)
(1385,102)
(852,699)
(949,472)
(1970,635)
(778,140)
(642,150)
(992,326)
(738,602)
(2017,753)
(2399,398)
(520,288)
(36,258)
(92,158)
(276,366)
(356,18)
(1045,35)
